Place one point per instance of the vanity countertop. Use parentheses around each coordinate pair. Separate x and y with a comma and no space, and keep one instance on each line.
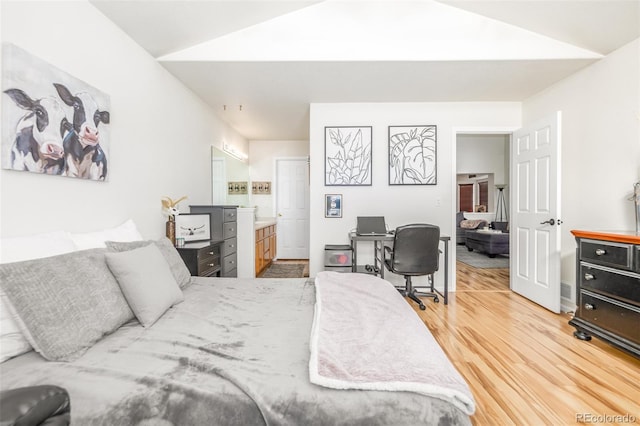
(263,223)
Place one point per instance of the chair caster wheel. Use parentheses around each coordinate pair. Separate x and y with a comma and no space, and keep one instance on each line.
(422,307)
(436,300)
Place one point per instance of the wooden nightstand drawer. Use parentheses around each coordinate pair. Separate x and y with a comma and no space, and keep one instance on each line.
(202,258)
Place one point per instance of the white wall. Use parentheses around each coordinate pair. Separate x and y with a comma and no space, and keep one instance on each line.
(160,131)
(262,155)
(481,154)
(600,146)
(399,204)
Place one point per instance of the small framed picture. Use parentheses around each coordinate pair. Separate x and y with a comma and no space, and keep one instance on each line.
(333,205)
(193,227)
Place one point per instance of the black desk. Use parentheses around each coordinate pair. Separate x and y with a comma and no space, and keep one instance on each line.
(378,256)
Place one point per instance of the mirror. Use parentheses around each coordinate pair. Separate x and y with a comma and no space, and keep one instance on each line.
(227,177)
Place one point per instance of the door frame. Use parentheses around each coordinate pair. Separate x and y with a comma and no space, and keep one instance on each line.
(507,130)
(274,189)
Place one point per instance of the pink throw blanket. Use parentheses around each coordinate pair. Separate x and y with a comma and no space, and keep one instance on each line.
(366,336)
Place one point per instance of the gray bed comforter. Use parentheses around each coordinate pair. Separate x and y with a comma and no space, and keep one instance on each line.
(235,352)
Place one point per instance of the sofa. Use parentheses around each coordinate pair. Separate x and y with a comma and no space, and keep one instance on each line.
(493,242)
(463,225)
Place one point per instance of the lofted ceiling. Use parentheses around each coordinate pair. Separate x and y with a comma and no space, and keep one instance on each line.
(274,58)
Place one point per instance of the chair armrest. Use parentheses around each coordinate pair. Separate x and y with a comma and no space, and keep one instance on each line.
(34,405)
(388,250)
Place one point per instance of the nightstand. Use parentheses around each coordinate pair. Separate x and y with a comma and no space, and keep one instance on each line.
(202,258)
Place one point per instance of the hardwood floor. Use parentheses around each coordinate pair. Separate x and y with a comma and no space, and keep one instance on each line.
(522,363)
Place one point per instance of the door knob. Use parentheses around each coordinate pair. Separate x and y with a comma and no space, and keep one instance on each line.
(550,222)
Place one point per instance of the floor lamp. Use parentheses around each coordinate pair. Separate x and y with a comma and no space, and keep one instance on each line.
(501,207)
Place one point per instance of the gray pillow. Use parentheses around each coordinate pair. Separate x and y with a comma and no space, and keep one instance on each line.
(178,268)
(64,304)
(146,282)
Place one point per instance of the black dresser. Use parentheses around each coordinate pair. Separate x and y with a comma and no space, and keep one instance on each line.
(608,288)
(202,258)
(224,226)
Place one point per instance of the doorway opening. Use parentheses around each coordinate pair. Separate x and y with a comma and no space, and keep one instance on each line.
(481,184)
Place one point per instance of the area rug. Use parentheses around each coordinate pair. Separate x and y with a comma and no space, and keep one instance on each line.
(282,270)
(481,260)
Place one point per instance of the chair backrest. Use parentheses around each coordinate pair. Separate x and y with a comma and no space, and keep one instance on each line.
(416,249)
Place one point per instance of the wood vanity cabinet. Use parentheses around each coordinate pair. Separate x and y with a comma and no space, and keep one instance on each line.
(608,288)
(265,247)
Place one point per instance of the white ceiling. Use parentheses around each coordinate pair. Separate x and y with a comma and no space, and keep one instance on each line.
(276,57)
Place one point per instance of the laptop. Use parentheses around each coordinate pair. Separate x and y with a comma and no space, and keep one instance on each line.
(371,225)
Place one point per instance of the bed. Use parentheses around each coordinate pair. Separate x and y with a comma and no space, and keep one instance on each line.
(231,352)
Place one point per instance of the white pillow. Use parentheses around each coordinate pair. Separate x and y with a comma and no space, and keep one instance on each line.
(122,233)
(16,249)
(146,281)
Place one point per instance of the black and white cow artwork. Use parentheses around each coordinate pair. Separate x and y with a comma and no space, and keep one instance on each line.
(38,146)
(84,157)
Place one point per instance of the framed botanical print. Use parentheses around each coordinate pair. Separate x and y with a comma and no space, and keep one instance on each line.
(347,152)
(413,155)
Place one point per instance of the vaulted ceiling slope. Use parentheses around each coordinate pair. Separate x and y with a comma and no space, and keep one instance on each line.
(276,57)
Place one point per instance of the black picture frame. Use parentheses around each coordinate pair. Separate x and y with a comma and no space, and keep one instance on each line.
(333,205)
(413,155)
(347,155)
(193,226)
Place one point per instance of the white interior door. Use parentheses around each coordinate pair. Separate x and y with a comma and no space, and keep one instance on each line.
(535,220)
(292,208)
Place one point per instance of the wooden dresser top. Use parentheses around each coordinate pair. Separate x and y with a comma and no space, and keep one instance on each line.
(615,236)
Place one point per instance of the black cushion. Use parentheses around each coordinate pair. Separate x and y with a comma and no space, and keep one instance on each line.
(35,405)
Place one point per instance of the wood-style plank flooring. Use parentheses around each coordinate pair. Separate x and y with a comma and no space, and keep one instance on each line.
(522,363)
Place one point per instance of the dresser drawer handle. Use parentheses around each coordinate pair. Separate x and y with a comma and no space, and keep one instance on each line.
(212,264)
(589,277)
(600,252)
(589,307)
(211,253)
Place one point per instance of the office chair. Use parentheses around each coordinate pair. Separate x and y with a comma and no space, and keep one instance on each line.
(415,252)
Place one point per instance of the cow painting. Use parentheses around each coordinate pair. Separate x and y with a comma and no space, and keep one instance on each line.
(52,123)
(84,157)
(38,145)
